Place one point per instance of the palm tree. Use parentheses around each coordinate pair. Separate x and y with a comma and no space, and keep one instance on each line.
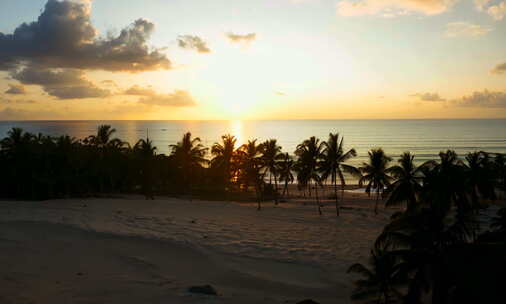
(499,223)
(407,184)
(103,136)
(16,139)
(444,184)
(380,282)
(500,170)
(16,148)
(271,156)
(375,174)
(146,153)
(286,167)
(333,163)
(480,176)
(66,150)
(309,156)
(189,155)
(223,158)
(250,166)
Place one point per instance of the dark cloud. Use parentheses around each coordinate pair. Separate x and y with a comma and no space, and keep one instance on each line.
(241,38)
(193,43)
(60,83)
(484,99)
(15,89)
(63,37)
(500,69)
(428,96)
(179,98)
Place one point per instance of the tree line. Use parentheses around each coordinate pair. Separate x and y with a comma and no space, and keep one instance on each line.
(440,248)
(43,167)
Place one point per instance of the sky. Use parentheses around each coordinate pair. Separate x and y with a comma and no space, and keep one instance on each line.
(252,59)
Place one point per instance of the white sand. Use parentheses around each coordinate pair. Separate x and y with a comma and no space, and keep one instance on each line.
(130,250)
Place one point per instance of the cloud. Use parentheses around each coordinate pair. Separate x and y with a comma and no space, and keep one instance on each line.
(241,38)
(193,43)
(484,99)
(499,69)
(481,4)
(428,97)
(139,91)
(18,101)
(63,37)
(465,29)
(110,83)
(392,8)
(60,83)
(15,89)
(179,98)
(10,113)
(496,10)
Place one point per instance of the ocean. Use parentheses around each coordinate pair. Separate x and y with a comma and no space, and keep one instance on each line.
(425,138)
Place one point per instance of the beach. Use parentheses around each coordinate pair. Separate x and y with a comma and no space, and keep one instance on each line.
(129,250)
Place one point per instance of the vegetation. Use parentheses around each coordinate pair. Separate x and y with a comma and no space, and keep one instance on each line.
(333,164)
(375,174)
(423,254)
(43,167)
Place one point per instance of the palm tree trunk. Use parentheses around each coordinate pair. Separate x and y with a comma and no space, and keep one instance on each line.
(318,199)
(335,193)
(342,193)
(275,190)
(190,183)
(257,192)
(377,200)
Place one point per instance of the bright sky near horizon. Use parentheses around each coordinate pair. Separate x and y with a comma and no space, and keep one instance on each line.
(252,59)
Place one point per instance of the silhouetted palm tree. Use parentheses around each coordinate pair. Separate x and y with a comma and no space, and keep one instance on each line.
(480,176)
(309,157)
(500,170)
(333,164)
(444,184)
(146,152)
(223,158)
(380,283)
(189,155)
(498,223)
(286,167)
(374,174)
(407,184)
(250,167)
(103,136)
(271,156)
